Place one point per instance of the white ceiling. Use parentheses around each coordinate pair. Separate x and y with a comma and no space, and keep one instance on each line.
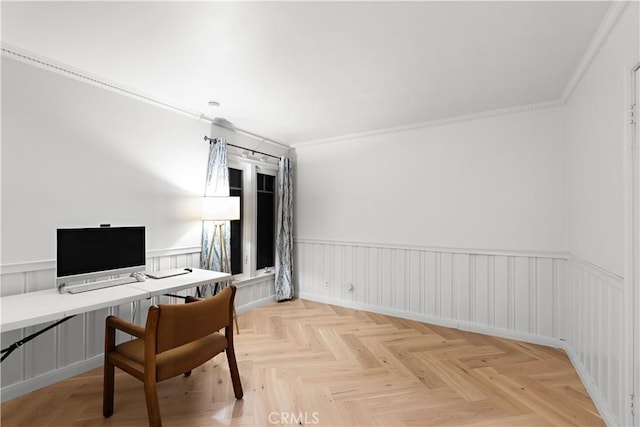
(304,71)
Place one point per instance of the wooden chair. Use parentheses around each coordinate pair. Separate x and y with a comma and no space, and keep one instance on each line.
(177,338)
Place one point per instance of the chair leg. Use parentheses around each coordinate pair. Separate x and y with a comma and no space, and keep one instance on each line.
(235,318)
(235,374)
(107,389)
(153,408)
(187,374)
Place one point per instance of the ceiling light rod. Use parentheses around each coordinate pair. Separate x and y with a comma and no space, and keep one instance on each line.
(215,140)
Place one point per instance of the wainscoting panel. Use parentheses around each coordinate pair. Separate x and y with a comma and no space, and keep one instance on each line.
(77,345)
(511,292)
(593,321)
(255,292)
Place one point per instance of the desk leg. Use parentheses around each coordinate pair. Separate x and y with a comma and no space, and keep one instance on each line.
(7,351)
(134,310)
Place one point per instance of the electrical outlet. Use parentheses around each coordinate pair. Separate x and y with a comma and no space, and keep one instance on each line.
(326,285)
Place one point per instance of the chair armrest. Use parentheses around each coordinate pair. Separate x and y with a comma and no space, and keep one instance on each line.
(126,326)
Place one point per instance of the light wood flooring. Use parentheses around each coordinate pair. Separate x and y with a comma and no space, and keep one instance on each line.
(305,363)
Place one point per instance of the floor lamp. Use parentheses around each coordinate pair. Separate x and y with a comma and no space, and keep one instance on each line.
(221,209)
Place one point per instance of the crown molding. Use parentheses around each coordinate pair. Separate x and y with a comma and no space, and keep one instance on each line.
(607,24)
(57,67)
(613,13)
(49,64)
(439,122)
(231,127)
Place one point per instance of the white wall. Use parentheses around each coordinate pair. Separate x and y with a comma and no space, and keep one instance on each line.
(595,143)
(75,155)
(598,295)
(78,155)
(494,183)
(461,224)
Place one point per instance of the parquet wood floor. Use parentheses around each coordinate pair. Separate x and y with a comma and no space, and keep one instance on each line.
(305,363)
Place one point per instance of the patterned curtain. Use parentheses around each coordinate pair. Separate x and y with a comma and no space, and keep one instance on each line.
(284,232)
(217,184)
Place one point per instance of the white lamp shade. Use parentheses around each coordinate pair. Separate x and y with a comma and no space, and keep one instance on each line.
(220,208)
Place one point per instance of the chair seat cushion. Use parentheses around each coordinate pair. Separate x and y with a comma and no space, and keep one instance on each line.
(177,360)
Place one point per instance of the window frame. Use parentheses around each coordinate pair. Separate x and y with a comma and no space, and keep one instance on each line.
(250,170)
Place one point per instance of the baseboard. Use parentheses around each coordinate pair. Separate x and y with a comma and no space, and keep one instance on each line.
(594,392)
(435,320)
(379,309)
(255,304)
(20,389)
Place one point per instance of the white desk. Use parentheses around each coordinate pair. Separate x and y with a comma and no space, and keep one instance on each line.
(197,277)
(34,308)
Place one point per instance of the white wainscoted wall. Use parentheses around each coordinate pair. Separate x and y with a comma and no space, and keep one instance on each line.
(78,344)
(506,293)
(599,289)
(592,323)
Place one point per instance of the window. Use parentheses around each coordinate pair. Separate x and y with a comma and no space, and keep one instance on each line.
(235,189)
(253,236)
(266,215)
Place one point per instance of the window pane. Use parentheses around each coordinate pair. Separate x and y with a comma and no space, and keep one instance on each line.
(235,178)
(269,183)
(235,189)
(266,221)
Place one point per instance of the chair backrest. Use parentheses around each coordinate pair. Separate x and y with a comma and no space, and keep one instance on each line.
(180,324)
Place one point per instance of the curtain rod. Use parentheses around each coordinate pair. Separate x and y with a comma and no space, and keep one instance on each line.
(223,123)
(215,140)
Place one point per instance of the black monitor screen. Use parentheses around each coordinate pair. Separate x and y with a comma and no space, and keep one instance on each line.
(91,250)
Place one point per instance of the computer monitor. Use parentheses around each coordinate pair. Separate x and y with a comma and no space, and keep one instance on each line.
(88,253)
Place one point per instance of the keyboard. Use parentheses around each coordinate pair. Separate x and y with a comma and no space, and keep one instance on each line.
(92,286)
(161,274)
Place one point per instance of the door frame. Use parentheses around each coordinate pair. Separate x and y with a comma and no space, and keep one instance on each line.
(632,244)
(635,252)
